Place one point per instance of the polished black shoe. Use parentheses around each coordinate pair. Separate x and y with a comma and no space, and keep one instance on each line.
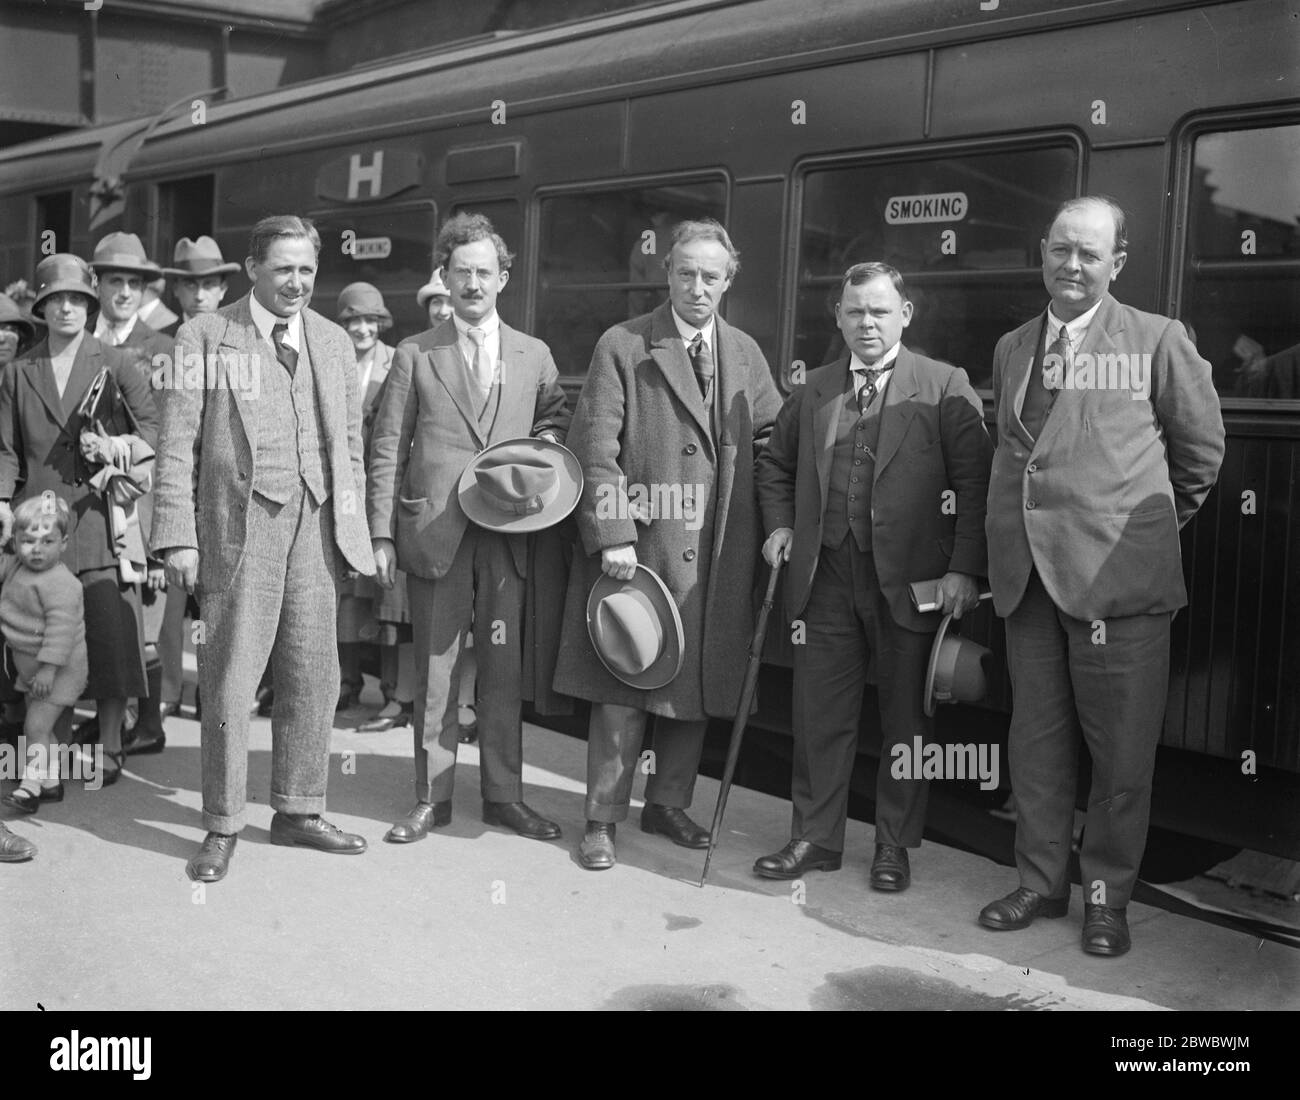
(213,859)
(416,825)
(1105,930)
(674,824)
(313,831)
(138,743)
(52,794)
(517,816)
(392,716)
(596,852)
(265,702)
(796,858)
(167,710)
(890,870)
(23,800)
(13,848)
(110,775)
(1020,908)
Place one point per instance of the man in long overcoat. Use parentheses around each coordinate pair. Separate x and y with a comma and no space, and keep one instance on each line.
(675,404)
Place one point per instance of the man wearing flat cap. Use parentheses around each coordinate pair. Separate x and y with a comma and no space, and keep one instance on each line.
(470,388)
(675,405)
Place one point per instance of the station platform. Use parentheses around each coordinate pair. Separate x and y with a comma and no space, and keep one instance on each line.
(474,917)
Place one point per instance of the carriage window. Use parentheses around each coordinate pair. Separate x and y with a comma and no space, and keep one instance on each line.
(1242,273)
(389,247)
(963,230)
(508,220)
(602,259)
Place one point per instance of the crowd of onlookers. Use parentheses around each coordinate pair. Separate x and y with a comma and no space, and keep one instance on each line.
(85,608)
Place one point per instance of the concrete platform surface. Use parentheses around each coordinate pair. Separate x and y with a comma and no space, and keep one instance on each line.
(476,918)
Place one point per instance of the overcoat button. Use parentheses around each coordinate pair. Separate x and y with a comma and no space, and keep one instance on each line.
(1031,504)
(689,449)
(1033,467)
(689,555)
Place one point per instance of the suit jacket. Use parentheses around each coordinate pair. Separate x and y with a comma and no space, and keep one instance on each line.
(1096,502)
(40,437)
(641,423)
(932,440)
(426,433)
(204,477)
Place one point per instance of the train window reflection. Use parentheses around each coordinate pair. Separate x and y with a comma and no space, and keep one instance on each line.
(389,247)
(1242,273)
(963,230)
(601,259)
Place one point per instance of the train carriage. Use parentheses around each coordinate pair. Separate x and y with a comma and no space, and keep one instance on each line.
(935,135)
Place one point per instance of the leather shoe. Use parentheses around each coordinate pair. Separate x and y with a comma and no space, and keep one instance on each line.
(393,715)
(213,859)
(1019,909)
(890,870)
(313,831)
(673,823)
(517,816)
(53,794)
(795,858)
(23,800)
(596,852)
(1105,930)
(167,710)
(13,848)
(416,825)
(141,743)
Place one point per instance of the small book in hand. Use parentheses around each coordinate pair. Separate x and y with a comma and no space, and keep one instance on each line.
(925,594)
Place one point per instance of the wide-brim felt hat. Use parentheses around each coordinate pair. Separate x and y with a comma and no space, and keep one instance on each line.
(958,671)
(520,485)
(124,252)
(61,273)
(199,259)
(636,629)
(363,300)
(11,313)
(434,287)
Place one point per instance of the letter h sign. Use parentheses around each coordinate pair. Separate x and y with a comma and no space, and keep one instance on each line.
(371,174)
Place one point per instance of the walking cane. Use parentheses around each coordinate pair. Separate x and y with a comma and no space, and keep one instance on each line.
(742,715)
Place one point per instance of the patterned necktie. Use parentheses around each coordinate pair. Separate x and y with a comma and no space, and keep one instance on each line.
(283,352)
(867,391)
(481,368)
(1057,362)
(702,361)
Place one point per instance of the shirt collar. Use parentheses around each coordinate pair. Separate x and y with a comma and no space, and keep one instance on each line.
(114,333)
(687,332)
(265,321)
(1074,329)
(885,366)
(489,325)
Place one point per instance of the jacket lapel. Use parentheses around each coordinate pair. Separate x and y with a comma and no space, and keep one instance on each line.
(899,408)
(826,396)
(514,380)
(667,351)
(445,359)
(1107,323)
(40,376)
(1020,365)
(241,334)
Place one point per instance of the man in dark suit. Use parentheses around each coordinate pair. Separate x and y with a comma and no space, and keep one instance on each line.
(674,405)
(1109,437)
(261,509)
(453,391)
(875,476)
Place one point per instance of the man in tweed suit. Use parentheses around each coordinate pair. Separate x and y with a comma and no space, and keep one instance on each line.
(260,509)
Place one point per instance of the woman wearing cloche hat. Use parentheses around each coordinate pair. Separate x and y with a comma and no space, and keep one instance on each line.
(37,437)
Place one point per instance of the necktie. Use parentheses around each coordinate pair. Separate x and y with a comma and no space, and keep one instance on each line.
(1057,362)
(283,352)
(702,361)
(867,392)
(482,365)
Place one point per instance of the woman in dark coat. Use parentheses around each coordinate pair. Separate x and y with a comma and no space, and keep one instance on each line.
(46,444)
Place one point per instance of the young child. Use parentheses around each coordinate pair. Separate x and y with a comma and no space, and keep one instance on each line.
(41,615)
